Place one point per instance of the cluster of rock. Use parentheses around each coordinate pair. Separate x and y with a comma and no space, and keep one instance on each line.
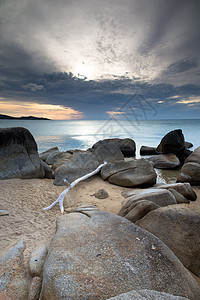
(154,210)
(98,255)
(19,159)
(190,171)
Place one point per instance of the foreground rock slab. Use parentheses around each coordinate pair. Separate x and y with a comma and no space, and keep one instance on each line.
(98,255)
(178,228)
(19,155)
(147,295)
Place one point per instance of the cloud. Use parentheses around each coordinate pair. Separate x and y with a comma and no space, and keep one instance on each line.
(33,87)
(56,112)
(190,100)
(182,65)
(114,114)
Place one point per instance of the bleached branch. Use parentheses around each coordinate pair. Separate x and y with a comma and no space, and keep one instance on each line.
(75,182)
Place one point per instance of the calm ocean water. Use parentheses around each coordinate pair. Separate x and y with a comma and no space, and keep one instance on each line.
(81,134)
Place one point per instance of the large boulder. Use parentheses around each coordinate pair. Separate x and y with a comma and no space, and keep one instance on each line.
(172,142)
(190,172)
(47,170)
(178,228)
(137,172)
(19,155)
(165,161)
(183,188)
(109,152)
(98,255)
(56,156)
(127,146)
(157,196)
(147,295)
(80,164)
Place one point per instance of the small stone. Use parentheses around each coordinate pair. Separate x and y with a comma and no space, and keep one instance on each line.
(101,194)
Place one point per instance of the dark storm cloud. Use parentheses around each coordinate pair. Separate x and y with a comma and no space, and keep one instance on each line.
(182,65)
(156,48)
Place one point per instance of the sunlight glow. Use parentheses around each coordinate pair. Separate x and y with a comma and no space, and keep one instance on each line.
(190,100)
(54,112)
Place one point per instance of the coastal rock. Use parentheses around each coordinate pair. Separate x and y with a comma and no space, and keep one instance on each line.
(98,255)
(127,146)
(37,260)
(159,197)
(18,154)
(172,142)
(145,150)
(147,295)
(179,197)
(194,156)
(108,152)
(80,164)
(140,209)
(137,172)
(13,274)
(101,194)
(47,170)
(165,161)
(46,153)
(178,228)
(183,188)
(190,172)
(61,161)
(55,156)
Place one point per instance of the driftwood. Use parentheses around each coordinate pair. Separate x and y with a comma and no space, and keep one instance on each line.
(75,182)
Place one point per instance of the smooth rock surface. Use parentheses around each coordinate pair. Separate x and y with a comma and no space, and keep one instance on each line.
(157,196)
(98,255)
(178,228)
(137,172)
(127,146)
(45,154)
(147,295)
(183,188)
(190,172)
(55,156)
(80,164)
(165,161)
(194,156)
(108,152)
(140,209)
(179,197)
(18,154)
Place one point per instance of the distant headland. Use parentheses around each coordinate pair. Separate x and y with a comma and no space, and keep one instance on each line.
(21,118)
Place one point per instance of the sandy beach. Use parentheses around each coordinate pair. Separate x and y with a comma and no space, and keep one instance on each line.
(24,201)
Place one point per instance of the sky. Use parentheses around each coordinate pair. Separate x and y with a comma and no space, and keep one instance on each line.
(100,59)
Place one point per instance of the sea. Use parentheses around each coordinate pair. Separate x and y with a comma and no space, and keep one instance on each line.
(82,134)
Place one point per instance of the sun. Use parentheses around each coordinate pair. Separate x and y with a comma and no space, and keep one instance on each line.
(86,71)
